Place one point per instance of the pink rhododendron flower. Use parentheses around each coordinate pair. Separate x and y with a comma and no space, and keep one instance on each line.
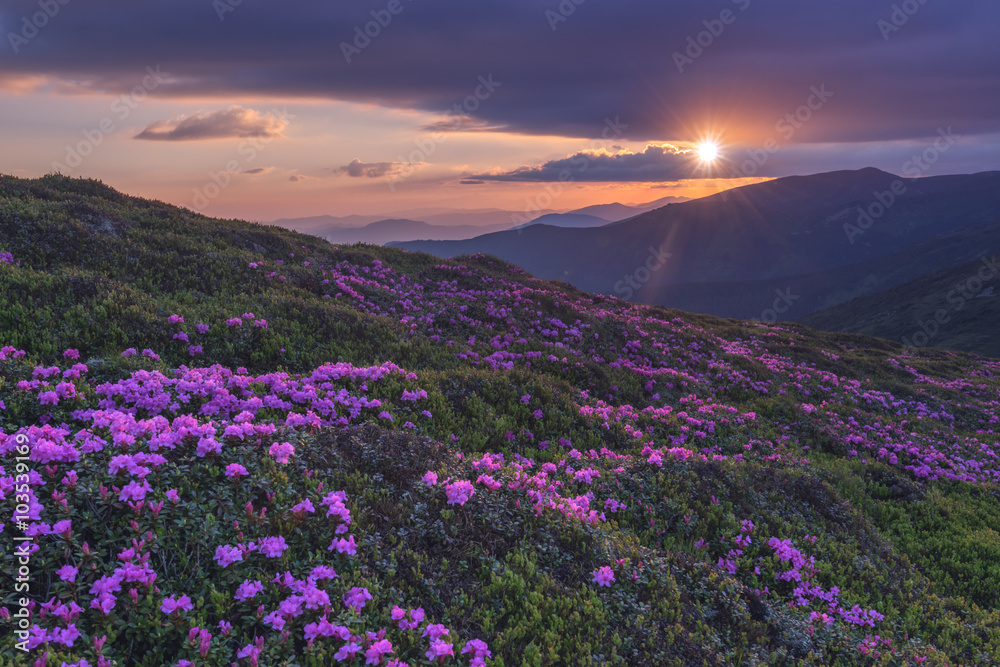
(249,651)
(226,555)
(134,491)
(604,576)
(435,631)
(281,453)
(399,614)
(459,492)
(356,598)
(347,546)
(479,650)
(236,470)
(248,589)
(489,482)
(347,651)
(273,547)
(375,652)
(439,650)
(170,605)
(305,506)
(275,620)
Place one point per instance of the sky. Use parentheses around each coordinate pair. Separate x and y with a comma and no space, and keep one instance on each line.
(262,110)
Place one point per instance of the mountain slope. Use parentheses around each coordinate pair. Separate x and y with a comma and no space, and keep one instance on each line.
(247,445)
(955,309)
(786,227)
(799,295)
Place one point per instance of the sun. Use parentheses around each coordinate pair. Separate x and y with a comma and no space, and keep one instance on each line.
(708,151)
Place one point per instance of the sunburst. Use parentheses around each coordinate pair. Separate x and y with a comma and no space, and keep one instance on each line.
(708,151)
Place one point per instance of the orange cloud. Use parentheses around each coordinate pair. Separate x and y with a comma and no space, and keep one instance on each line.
(234,122)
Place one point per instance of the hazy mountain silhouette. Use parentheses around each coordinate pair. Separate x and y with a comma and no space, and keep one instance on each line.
(384,231)
(576,220)
(616,211)
(453,224)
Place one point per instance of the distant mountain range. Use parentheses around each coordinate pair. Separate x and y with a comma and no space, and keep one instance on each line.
(384,231)
(778,250)
(455,224)
(479,220)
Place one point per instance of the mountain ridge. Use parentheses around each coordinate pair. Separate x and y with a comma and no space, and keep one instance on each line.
(767,231)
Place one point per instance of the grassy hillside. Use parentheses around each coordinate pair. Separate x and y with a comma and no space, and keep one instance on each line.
(248,446)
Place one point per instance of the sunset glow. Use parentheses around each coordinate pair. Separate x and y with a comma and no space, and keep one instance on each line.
(381,129)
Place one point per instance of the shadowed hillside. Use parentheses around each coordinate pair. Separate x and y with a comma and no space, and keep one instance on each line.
(954,309)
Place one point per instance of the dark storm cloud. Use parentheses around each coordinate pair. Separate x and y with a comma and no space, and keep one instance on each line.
(756,60)
(654,164)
